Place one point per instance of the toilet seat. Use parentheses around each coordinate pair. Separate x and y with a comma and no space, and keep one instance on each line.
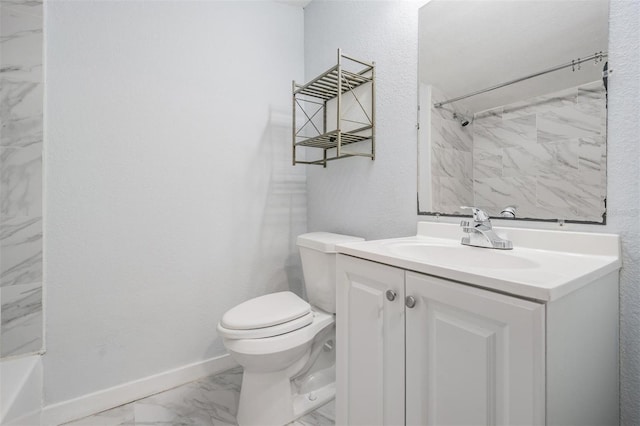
(260,333)
(283,342)
(266,316)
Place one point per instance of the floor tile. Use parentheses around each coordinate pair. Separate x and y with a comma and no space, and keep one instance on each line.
(209,401)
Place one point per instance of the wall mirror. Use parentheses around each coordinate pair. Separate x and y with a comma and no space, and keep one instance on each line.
(513,108)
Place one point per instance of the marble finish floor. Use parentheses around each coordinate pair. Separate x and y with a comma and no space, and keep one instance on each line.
(212,400)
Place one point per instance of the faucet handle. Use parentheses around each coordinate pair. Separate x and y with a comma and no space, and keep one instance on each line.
(509,212)
(479,215)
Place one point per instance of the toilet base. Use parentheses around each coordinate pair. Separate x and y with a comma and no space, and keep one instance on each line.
(280,397)
(267,400)
(306,403)
(304,376)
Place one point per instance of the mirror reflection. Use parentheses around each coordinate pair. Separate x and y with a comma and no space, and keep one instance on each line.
(513,101)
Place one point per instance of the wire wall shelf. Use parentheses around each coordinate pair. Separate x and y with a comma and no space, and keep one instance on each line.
(330,94)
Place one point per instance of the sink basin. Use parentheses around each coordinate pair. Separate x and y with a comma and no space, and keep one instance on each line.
(462,256)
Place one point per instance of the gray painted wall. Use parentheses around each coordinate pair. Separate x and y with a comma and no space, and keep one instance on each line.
(170,197)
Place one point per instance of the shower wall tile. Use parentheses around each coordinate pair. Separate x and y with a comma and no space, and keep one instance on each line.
(564,98)
(592,92)
(21,42)
(451,163)
(496,193)
(21,249)
(487,163)
(563,157)
(592,100)
(568,123)
(20,112)
(579,201)
(448,133)
(490,115)
(546,156)
(21,181)
(21,105)
(591,152)
(553,155)
(594,180)
(451,159)
(27,7)
(21,328)
(450,193)
(436,197)
(494,134)
(525,161)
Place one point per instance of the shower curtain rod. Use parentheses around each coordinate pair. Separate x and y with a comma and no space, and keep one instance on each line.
(597,56)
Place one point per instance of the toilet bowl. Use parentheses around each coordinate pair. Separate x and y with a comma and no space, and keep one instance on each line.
(285,344)
(268,396)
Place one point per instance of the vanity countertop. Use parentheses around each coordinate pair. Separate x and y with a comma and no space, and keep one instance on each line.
(543,265)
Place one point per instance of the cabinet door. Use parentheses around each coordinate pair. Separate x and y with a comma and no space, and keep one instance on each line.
(473,357)
(369,343)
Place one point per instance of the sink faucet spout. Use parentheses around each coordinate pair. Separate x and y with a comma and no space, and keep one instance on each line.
(481,233)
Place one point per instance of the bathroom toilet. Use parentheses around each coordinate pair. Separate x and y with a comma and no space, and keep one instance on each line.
(285,344)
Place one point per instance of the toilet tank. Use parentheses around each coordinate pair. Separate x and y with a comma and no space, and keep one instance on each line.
(318,254)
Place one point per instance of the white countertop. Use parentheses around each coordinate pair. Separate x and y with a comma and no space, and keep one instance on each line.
(543,265)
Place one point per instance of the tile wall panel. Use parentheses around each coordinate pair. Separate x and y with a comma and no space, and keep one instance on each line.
(451,160)
(21,139)
(546,156)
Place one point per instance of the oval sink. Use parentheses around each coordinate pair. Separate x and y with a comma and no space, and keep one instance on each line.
(463,256)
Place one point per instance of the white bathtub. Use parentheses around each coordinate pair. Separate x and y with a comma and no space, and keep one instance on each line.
(21,390)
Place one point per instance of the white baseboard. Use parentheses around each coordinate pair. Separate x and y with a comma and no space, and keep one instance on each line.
(86,405)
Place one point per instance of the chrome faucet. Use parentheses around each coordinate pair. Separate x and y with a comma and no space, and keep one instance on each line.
(481,232)
(508,212)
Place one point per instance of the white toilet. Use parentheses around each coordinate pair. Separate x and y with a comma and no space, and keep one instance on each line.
(285,344)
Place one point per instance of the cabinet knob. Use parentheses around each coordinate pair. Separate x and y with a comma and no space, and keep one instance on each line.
(391,295)
(410,301)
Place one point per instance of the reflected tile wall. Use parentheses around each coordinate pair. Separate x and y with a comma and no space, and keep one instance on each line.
(451,160)
(21,103)
(493,133)
(546,156)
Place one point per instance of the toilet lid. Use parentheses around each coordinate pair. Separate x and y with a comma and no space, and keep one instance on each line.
(265,311)
(261,333)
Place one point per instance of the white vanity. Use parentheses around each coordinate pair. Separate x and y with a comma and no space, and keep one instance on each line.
(432,332)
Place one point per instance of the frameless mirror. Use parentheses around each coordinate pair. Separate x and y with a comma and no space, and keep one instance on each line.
(513,107)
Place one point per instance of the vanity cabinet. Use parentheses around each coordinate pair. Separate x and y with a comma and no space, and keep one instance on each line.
(473,357)
(416,349)
(369,343)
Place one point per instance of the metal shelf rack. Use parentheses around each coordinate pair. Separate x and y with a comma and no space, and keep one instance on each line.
(326,92)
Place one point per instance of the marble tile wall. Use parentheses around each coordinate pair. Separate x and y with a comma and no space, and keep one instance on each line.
(451,160)
(545,155)
(21,104)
